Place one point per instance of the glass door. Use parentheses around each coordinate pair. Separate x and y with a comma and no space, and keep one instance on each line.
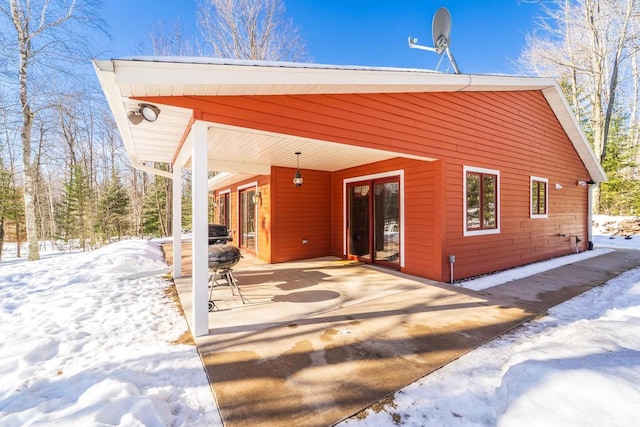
(358,224)
(225,210)
(373,223)
(248,229)
(386,240)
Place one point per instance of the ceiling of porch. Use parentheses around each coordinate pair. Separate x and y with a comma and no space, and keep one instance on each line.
(243,150)
(247,150)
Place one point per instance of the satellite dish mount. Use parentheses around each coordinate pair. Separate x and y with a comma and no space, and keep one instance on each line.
(440,30)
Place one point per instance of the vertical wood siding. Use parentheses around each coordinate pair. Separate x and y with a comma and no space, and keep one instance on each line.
(513,132)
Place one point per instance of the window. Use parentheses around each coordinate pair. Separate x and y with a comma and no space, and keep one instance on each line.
(224,208)
(538,197)
(481,202)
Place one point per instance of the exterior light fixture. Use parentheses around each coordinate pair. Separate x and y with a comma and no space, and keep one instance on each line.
(297,179)
(146,112)
(257,198)
(585,183)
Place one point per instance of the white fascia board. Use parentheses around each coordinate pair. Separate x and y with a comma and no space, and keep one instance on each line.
(240,167)
(265,80)
(271,80)
(572,128)
(107,78)
(226,179)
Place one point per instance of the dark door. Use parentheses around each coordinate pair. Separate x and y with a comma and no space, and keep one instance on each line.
(358,229)
(225,210)
(373,223)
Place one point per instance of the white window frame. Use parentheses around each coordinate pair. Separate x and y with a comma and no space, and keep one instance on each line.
(496,230)
(220,194)
(253,184)
(546,197)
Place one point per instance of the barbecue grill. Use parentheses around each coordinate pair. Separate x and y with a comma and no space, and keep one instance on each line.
(218,234)
(222,258)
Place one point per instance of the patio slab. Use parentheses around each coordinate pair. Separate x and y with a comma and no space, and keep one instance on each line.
(320,340)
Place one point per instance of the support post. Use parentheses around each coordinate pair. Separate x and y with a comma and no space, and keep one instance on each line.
(590,217)
(177,221)
(200,229)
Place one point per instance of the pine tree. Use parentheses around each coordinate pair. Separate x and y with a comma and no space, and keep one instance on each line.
(73,211)
(11,205)
(154,209)
(114,210)
(620,195)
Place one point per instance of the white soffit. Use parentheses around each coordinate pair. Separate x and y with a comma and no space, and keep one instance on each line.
(249,151)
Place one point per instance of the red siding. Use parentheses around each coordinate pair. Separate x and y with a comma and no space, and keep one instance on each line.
(265,242)
(513,132)
(300,214)
(422,237)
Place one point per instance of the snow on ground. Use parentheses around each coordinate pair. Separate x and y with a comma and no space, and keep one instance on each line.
(577,366)
(80,345)
(85,340)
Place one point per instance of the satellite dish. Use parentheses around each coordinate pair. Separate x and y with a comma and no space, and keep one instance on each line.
(440,30)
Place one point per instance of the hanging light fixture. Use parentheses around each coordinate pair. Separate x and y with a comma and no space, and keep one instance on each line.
(297,179)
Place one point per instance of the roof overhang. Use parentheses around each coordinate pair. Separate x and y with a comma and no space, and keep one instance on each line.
(125,80)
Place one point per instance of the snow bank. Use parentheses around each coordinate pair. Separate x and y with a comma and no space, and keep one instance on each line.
(81,346)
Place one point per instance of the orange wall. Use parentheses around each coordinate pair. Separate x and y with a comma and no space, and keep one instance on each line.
(299,214)
(422,236)
(514,132)
(263,219)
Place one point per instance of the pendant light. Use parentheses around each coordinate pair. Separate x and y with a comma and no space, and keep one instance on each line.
(297,179)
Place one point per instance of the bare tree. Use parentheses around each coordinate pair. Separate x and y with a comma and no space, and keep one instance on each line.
(172,41)
(45,35)
(249,29)
(591,45)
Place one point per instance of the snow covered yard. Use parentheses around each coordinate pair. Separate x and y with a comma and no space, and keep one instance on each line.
(577,366)
(82,346)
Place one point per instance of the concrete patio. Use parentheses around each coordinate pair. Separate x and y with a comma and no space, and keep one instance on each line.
(317,341)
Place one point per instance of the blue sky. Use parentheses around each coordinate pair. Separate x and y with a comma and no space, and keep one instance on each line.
(486,36)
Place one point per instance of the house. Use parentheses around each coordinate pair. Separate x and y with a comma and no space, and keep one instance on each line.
(413,170)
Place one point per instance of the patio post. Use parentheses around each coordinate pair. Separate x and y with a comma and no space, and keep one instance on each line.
(200,229)
(177,220)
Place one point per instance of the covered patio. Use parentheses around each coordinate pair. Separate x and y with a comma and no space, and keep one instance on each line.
(319,340)
(187,135)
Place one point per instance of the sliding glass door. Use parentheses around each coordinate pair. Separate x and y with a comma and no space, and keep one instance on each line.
(373,223)
(248,229)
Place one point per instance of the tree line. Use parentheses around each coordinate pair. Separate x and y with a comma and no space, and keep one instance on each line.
(64,173)
(593,48)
